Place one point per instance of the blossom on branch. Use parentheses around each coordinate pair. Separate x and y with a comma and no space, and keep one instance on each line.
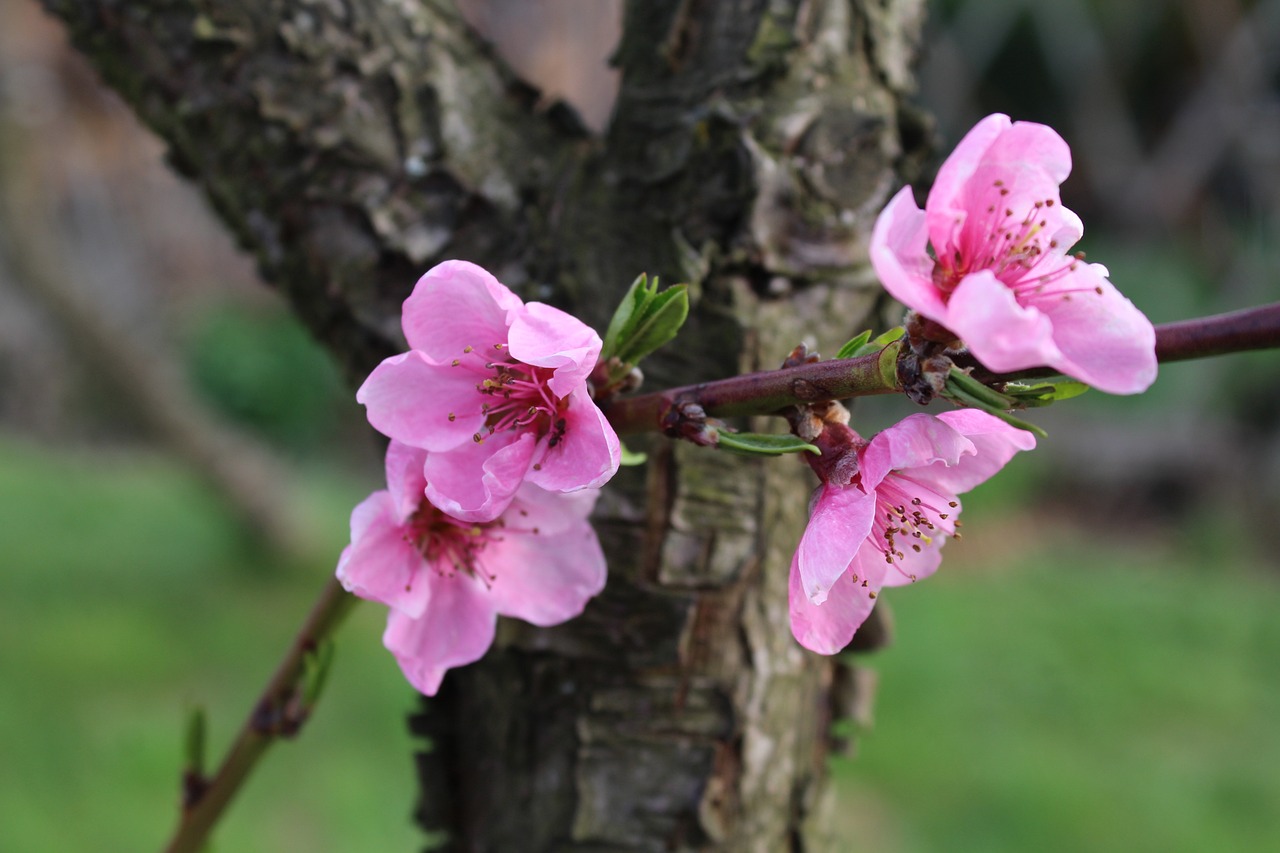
(886,523)
(447,580)
(496,390)
(987,260)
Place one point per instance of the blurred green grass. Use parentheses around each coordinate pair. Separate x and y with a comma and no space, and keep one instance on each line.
(130,597)
(1049,690)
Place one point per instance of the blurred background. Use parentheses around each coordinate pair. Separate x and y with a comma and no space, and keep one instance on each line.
(1098,667)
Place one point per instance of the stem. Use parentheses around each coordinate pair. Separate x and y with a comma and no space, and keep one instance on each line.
(268,721)
(1248,329)
(762,393)
(770,391)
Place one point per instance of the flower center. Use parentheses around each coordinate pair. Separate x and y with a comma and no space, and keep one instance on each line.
(1012,246)
(515,396)
(906,522)
(448,545)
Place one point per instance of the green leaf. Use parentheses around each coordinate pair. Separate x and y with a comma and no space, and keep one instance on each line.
(885,338)
(631,457)
(888,364)
(854,345)
(761,444)
(964,389)
(1044,393)
(864,344)
(660,320)
(194,740)
(634,299)
(958,380)
(316,666)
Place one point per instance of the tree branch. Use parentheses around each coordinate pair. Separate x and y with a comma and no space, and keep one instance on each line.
(277,713)
(768,392)
(348,145)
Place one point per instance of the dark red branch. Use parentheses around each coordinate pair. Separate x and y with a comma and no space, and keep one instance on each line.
(760,393)
(1238,331)
(771,391)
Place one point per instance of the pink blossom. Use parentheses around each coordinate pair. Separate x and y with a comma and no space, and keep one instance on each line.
(887,526)
(447,580)
(496,390)
(999,275)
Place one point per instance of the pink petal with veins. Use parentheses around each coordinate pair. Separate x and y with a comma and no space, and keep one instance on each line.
(457,304)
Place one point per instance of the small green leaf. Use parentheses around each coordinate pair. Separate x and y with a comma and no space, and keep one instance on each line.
(964,389)
(761,444)
(194,740)
(631,457)
(864,344)
(888,364)
(885,338)
(633,299)
(316,666)
(660,320)
(958,380)
(854,345)
(645,320)
(1044,393)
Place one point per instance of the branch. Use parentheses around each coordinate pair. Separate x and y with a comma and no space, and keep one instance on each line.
(770,391)
(278,713)
(348,145)
(1238,331)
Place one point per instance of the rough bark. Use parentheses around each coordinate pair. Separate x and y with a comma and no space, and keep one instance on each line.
(352,144)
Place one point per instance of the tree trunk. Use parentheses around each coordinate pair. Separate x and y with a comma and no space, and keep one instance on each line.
(350,145)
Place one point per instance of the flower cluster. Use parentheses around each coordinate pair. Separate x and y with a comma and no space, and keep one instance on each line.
(498,448)
(497,452)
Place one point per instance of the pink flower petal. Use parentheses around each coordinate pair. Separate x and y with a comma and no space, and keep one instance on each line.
(1105,341)
(476,482)
(915,441)
(550,512)
(1030,161)
(1000,333)
(899,257)
(405,479)
(457,304)
(410,399)
(995,441)
(827,627)
(379,565)
(947,204)
(545,578)
(586,456)
(548,337)
(456,628)
(839,522)
(1015,180)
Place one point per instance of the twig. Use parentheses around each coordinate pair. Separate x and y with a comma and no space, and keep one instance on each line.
(276,714)
(770,391)
(1238,331)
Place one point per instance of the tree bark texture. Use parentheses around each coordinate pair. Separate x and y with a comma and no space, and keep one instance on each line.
(350,144)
